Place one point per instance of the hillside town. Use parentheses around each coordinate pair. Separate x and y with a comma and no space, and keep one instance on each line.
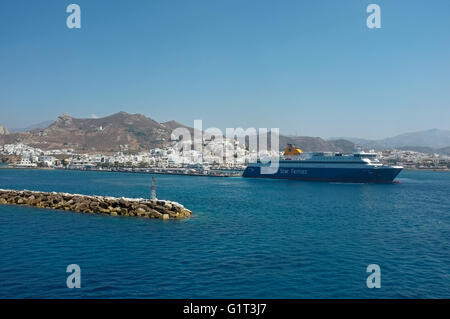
(212,160)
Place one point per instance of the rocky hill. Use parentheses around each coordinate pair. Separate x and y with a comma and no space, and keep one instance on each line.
(312,144)
(172,125)
(317,144)
(131,132)
(120,131)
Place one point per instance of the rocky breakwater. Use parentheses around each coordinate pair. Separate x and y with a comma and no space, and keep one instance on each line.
(162,209)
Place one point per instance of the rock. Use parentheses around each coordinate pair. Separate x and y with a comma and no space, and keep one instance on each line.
(141,212)
(123,203)
(104,210)
(156,214)
(173,214)
(114,203)
(186,212)
(160,209)
(31,201)
(165,216)
(144,207)
(113,214)
(153,203)
(116,209)
(94,205)
(103,205)
(82,207)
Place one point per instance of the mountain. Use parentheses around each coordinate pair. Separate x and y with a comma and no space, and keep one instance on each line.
(433,138)
(31,127)
(3,130)
(317,144)
(172,125)
(311,144)
(342,145)
(306,143)
(430,140)
(120,131)
(133,132)
(136,132)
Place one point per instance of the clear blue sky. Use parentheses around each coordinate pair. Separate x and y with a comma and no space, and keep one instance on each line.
(307,67)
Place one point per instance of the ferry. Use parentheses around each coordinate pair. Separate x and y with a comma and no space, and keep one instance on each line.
(359,167)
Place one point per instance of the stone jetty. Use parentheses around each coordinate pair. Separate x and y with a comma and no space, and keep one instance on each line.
(140,207)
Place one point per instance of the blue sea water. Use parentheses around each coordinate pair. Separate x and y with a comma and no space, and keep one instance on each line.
(248,238)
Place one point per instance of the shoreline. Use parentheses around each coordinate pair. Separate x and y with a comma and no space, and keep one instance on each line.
(427,169)
(172,173)
(121,171)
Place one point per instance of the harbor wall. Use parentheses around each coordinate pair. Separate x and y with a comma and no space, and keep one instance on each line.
(139,207)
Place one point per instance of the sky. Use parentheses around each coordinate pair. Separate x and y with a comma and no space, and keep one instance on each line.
(306,67)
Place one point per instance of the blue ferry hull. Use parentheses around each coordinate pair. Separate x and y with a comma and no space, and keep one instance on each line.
(383,174)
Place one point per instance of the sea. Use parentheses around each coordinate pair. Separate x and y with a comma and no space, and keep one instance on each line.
(247,238)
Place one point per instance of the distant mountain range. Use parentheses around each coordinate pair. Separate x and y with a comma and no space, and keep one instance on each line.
(132,132)
(136,132)
(312,144)
(31,127)
(428,141)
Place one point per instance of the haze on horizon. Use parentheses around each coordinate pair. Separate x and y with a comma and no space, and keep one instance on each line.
(307,68)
